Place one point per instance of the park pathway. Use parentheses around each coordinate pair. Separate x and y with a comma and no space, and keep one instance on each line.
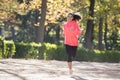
(20,69)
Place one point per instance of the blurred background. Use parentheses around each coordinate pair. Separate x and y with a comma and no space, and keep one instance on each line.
(41,21)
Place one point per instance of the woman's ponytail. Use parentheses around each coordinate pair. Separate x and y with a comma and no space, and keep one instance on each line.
(76,17)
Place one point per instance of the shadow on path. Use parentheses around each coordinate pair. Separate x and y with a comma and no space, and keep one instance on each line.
(77,78)
(16,75)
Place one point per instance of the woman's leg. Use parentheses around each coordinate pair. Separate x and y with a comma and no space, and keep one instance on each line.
(71,54)
(74,49)
(70,67)
(70,63)
(69,57)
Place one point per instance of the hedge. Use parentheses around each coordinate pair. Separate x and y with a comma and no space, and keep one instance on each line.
(44,51)
(49,51)
(1,46)
(7,48)
(97,55)
(28,50)
(54,52)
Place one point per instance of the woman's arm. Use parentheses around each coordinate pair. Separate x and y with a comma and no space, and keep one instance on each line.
(63,32)
(78,30)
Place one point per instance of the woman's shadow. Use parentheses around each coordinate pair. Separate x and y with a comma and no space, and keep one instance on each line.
(77,77)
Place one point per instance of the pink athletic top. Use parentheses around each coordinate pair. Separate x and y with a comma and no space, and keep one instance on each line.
(71,31)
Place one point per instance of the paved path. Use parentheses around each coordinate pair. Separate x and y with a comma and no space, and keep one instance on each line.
(19,69)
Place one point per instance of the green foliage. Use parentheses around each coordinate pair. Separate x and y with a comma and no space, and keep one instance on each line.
(27,50)
(44,51)
(25,16)
(1,46)
(7,48)
(53,51)
(97,55)
(60,53)
(49,51)
(112,56)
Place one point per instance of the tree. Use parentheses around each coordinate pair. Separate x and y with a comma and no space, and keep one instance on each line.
(40,31)
(110,12)
(26,17)
(56,14)
(8,11)
(100,37)
(100,12)
(90,26)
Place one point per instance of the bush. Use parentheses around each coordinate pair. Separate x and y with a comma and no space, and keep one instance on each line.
(1,46)
(96,55)
(60,53)
(44,51)
(7,48)
(112,56)
(49,51)
(53,51)
(28,50)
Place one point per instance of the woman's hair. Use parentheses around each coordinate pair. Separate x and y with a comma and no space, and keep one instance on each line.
(75,16)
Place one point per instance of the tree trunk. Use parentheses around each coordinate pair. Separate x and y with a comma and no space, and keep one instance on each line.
(2,41)
(40,29)
(13,32)
(36,15)
(105,34)
(100,45)
(58,34)
(90,27)
(3,56)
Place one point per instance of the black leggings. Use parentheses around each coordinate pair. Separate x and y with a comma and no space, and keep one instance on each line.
(71,52)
